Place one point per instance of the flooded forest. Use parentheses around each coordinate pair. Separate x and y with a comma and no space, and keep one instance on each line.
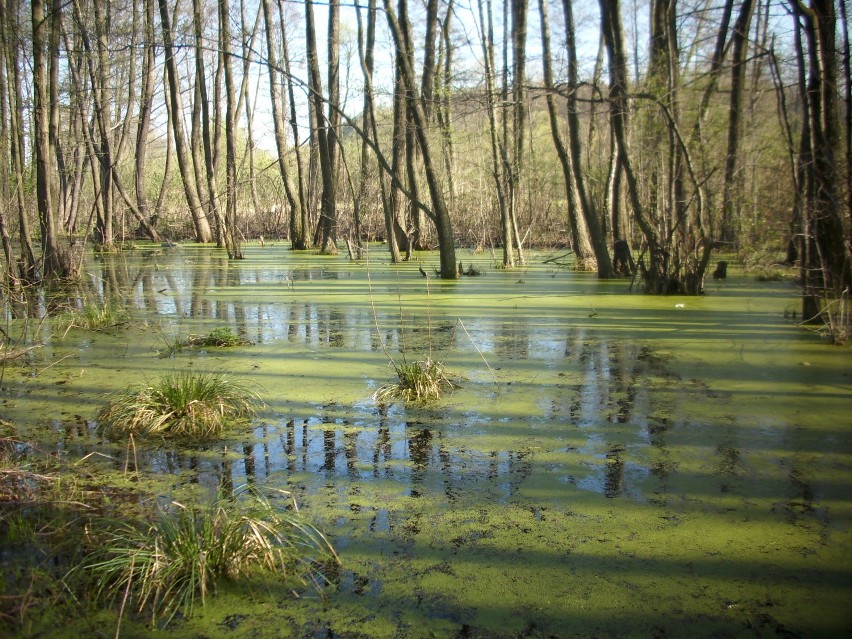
(434,319)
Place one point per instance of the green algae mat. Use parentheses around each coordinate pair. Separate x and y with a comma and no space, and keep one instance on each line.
(609,464)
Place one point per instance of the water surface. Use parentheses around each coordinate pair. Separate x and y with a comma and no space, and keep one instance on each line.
(611,464)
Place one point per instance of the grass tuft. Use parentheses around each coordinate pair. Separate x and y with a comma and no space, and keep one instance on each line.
(174,564)
(191,404)
(222,337)
(419,381)
(92,317)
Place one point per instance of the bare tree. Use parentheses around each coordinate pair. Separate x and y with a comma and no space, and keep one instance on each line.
(326,143)
(498,151)
(439,213)
(576,221)
(230,230)
(56,260)
(617,70)
(731,194)
(199,218)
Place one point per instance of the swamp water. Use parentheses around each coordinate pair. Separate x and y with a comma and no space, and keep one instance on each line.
(611,464)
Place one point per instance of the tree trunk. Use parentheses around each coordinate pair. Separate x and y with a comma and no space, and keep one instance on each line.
(203,132)
(519,116)
(444,91)
(199,219)
(56,262)
(824,213)
(656,275)
(366,54)
(146,104)
(579,231)
(398,145)
(731,194)
(101,86)
(9,24)
(232,244)
(328,206)
(593,223)
(278,122)
(500,187)
(299,218)
(417,228)
(440,213)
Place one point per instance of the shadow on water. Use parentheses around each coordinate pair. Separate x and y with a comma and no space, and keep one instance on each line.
(597,460)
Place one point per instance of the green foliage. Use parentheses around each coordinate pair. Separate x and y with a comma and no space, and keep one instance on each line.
(93,316)
(769,274)
(190,404)
(419,381)
(222,337)
(175,563)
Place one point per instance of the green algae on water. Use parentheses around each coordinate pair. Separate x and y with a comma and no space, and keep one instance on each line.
(619,465)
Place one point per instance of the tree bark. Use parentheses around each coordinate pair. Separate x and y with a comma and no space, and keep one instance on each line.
(579,232)
(328,204)
(440,213)
(232,244)
(143,129)
(299,218)
(199,218)
(731,194)
(56,262)
(593,222)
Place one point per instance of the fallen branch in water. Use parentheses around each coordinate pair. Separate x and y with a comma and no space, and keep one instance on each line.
(12,354)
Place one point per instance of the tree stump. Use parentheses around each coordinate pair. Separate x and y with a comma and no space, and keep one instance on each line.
(721,271)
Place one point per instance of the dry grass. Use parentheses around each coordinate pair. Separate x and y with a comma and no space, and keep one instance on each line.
(419,381)
(174,564)
(190,405)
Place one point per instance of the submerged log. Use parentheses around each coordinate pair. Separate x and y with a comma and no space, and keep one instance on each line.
(18,352)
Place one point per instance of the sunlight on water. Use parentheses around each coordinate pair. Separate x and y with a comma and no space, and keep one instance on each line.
(602,448)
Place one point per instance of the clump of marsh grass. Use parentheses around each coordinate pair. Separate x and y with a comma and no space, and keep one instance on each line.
(222,337)
(419,381)
(194,405)
(92,317)
(176,563)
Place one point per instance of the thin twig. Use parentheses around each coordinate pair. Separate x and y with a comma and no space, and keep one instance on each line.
(464,328)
